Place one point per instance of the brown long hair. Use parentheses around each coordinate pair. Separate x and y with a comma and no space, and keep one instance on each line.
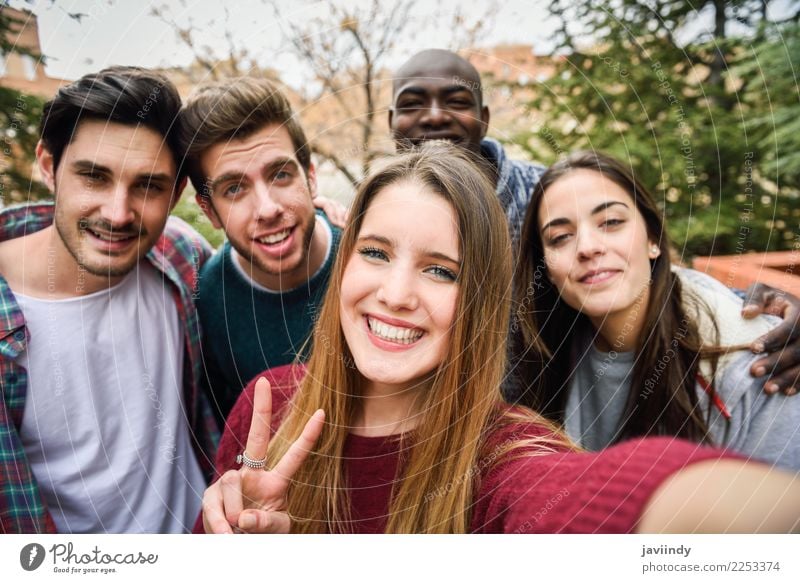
(464,401)
(663,397)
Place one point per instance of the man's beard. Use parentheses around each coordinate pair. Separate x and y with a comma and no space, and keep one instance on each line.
(83,226)
(252,261)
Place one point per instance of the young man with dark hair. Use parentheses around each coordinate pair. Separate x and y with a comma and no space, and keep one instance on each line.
(102,425)
(250,163)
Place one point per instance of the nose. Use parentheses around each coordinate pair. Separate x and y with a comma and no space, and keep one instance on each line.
(397,290)
(590,243)
(117,210)
(266,207)
(435,115)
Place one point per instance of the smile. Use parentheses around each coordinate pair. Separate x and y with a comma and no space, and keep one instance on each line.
(599,276)
(453,139)
(395,334)
(274,238)
(111,237)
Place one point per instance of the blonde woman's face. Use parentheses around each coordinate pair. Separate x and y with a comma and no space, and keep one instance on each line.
(595,243)
(399,289)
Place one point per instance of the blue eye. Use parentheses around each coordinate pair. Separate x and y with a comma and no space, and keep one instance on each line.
(442,273)
(373,253)
(233,190)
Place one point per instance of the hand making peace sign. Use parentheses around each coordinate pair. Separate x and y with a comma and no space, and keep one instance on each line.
(254,500)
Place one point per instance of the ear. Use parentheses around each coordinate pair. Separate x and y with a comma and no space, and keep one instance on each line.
(204,202)
(653,250)
(311,177)
(47,166)
(176,196)
(485,119)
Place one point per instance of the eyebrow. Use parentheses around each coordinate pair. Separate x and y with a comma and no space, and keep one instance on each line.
(425,252)
(447,90)
(89,165)
(598,209)
(270,167)
(93,167)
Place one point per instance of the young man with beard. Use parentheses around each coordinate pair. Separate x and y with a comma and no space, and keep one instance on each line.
(438,95)
(102,424)
(250,163)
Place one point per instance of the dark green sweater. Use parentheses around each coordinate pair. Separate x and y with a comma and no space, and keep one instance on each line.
(247,330)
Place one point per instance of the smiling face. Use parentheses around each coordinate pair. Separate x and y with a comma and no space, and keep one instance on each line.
(437,96)
(596,246)
(263,199)
(399,287)
(114,189)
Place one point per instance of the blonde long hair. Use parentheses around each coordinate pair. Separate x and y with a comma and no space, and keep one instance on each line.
(464,401)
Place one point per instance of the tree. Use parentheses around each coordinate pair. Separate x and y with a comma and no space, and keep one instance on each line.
(647,92)
(19,116)
(344,47)
(771,95)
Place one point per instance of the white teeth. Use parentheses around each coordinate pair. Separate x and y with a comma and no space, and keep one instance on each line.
(394,333)
(111,238)
(275,237)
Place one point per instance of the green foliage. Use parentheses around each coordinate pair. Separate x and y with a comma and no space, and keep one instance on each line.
(769,73)
(188,210)
(676,115)
(19,120)
(19,116)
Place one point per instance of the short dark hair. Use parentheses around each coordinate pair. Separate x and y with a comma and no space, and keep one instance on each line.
(234,110)
(125,95)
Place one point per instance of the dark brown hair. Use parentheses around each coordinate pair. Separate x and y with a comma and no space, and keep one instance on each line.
(124,95)
(665,403)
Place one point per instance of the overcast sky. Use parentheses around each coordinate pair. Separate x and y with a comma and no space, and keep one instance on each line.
(124,32)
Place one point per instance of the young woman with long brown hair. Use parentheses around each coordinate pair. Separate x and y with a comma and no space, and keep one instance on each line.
(398,425)
(616,342)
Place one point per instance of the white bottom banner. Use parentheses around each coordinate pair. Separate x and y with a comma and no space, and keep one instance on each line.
(500,558)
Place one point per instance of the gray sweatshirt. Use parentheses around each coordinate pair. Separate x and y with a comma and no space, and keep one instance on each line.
(765,427)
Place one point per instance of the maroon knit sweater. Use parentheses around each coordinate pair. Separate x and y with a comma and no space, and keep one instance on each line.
(552,493)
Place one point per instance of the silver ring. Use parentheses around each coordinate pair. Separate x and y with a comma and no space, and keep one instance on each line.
(246,460)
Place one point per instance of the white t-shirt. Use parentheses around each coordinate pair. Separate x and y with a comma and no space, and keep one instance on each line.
(104,427)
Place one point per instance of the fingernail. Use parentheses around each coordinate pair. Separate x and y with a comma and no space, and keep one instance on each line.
(761,371)
(758,347)
(771,388)
(791,392)
(247,521)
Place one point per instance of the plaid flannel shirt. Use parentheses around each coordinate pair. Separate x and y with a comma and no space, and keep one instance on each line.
(178,255)
(515,182)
